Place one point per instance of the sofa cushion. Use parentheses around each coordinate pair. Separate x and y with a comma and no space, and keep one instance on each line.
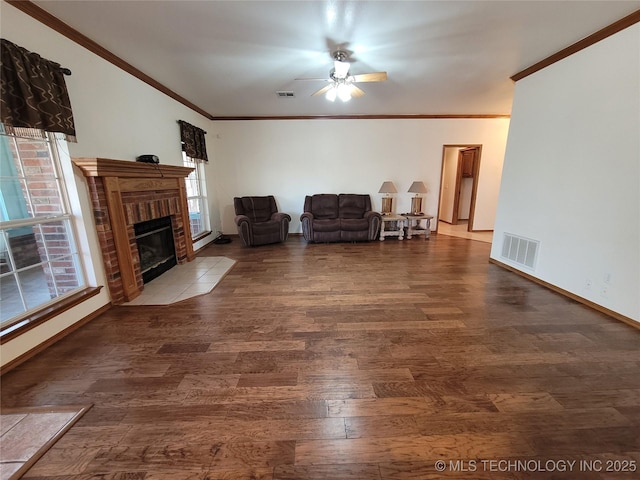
(261,228)
(324,205)
(327,225)
(354,224)
(352,205)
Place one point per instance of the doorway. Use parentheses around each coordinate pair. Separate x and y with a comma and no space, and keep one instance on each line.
(459,184)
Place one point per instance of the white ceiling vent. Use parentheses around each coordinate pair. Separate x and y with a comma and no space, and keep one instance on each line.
(522,251)
(284,94)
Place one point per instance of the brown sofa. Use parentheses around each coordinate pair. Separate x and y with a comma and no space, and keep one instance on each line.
(346,217)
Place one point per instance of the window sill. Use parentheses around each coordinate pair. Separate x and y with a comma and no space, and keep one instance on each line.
(42,316)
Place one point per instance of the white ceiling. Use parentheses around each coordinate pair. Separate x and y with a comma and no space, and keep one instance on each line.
(442,57)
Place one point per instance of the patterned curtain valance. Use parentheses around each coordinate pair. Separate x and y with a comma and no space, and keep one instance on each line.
(33,92)
(193,142)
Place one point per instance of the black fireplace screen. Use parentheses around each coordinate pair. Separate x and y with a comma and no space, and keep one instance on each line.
(155,247)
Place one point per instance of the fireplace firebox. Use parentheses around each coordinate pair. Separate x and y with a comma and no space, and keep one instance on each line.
(155,247)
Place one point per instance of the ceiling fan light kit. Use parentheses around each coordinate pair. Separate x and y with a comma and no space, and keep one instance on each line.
(341,84)
(342,90)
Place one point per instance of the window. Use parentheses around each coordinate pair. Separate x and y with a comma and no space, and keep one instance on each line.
(196,197)
(39,260)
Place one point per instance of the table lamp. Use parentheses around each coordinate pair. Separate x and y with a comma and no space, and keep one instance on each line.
(387,200)
(416,201)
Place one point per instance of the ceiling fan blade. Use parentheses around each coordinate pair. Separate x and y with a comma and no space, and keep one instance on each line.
(356,92)
(323,90)
(370,77)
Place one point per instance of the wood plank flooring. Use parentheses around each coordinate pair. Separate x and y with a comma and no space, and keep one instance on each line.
(346,361)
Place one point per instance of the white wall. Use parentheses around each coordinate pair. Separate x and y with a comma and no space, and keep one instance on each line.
(293,158)
(572,173)
(116,116)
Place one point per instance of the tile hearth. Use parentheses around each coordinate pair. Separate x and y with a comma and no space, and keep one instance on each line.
(184,281)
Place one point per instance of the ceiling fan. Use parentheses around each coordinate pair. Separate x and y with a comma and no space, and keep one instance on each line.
(341,83)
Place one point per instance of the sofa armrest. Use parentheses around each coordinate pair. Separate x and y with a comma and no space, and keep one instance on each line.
(283,220)
(241,218)
(279,216)
(245,230)
(375,221)
(306,219)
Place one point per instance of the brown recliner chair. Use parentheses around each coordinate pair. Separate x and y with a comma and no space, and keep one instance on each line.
(259,222)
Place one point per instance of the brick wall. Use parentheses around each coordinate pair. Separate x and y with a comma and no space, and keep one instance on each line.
(41,195)
(105,237)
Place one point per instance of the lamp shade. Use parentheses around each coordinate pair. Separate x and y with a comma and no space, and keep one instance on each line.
(417,187)
(388,187)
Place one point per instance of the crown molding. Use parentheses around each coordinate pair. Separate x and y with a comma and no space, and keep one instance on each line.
(71,33)
(607,31)
(364,117)
(59,26)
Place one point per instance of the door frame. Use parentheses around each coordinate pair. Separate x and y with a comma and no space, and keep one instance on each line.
(475,181)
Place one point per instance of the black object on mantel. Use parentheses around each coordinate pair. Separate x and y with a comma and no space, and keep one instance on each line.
(148,159)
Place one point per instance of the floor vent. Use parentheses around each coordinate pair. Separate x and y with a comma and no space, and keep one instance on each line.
(286,94)
(522,251)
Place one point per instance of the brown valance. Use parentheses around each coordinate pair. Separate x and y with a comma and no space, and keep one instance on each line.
(193,142)
(33,92)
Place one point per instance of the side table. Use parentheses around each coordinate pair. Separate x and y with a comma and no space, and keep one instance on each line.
(392,226)
(414,227)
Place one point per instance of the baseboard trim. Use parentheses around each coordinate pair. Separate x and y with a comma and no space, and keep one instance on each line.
(572,296)
(47,343)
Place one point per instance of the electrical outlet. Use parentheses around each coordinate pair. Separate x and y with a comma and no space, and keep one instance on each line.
(604,291)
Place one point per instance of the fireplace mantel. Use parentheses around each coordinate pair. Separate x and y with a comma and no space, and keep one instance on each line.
(124,193)
(106,167)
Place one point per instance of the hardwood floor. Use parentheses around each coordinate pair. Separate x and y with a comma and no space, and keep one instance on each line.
(346,361)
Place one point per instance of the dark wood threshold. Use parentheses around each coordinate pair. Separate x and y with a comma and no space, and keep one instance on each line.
(572,296)
(46,314)
(39,442)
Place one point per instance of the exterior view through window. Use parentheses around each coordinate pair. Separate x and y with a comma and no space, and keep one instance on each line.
(196,197)
(39,261)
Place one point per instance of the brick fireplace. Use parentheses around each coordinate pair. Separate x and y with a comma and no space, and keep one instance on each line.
(124,193)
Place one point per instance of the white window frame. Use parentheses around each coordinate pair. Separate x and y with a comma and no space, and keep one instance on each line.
(198,177)
(65,217)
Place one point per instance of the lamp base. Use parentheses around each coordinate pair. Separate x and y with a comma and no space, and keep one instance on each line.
(387,203)
(416,206)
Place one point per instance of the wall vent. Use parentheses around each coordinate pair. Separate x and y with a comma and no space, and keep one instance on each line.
(284,94)
(522,251)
